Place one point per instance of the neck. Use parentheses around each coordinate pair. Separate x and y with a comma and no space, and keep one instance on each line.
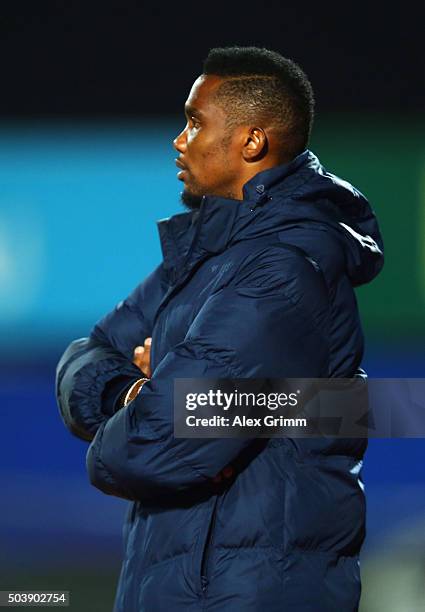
(252,170)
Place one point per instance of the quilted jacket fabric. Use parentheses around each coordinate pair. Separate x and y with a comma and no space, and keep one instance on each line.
(261,287)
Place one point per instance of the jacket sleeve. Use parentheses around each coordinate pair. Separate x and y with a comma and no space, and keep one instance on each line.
(90,364)
(250,330)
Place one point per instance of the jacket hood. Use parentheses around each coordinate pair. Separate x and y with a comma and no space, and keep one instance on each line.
(294,200)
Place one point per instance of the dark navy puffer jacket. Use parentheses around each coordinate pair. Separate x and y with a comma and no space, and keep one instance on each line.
(233,298)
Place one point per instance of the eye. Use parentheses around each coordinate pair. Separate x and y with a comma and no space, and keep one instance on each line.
(195,122)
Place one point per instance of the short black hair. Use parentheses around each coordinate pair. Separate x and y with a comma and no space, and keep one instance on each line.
(263,85)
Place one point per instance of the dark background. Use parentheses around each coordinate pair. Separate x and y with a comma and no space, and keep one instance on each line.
(135,58)
(91,97)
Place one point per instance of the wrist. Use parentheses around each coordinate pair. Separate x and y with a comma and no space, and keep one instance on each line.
(133,391)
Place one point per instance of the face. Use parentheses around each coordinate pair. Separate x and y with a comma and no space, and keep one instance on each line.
(209,160)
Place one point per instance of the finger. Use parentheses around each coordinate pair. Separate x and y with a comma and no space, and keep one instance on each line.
(138,353)
(147,357)
(142,358)
(139,357)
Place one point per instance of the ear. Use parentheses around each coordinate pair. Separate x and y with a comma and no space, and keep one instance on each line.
(256,144)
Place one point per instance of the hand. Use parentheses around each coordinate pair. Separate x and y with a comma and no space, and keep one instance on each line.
(142,357)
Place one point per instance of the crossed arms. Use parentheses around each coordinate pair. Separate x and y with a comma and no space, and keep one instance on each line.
(246,330)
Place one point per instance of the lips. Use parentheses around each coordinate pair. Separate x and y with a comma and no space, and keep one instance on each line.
(183,169)
(180,164)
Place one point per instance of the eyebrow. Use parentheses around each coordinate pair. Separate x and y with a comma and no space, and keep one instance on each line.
(191,110)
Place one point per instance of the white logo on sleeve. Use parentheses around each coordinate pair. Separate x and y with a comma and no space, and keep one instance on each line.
(366,241)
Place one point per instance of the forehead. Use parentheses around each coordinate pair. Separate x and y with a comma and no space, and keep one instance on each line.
(202,91)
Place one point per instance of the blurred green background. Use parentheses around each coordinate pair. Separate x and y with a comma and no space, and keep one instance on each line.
(384,156)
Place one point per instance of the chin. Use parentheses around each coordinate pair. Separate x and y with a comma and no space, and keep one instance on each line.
(190,200)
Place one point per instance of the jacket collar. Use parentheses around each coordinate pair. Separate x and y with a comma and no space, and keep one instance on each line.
(188,237)
(270,180)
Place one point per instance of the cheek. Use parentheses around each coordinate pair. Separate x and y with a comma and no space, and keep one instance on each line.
(212,152)
(209,160)
(211,167)
(202,145)
(204,156)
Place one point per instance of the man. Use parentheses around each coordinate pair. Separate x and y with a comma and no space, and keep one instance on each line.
(257,281)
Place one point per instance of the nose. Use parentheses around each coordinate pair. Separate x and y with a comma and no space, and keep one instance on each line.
(180,141)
